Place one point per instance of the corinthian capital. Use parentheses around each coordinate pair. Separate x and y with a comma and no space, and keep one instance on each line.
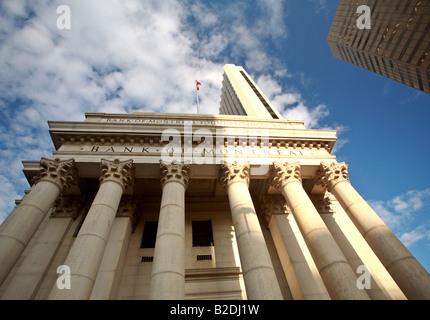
(120,172)
(286,172)
(174,172)
(67,207)
(234,172)
(62,173)
(331,173)
(273,205)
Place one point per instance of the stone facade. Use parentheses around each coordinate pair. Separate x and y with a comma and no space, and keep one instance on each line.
(174,206)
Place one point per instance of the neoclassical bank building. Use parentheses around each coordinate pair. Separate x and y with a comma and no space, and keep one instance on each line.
(240,205)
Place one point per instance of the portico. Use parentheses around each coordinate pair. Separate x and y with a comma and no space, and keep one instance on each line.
(282,220)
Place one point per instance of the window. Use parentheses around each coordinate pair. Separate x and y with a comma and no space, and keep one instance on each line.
(204,257)
(149,234)
(401,73)
(147,259)
(202,234)
(420,81)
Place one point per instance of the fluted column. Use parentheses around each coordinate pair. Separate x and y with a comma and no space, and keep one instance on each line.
(27,279)
(408,273)
(20,226)
(300,270)
(168,269)
(338,276)
(109,274)
(87,251)
(258,273)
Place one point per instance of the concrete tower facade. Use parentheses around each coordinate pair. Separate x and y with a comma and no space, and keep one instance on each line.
(395,44)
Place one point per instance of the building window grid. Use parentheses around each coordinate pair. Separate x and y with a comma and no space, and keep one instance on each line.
(428,77)
(372,64)
(387,21)
(340,50)
(393,70)
(411,80)
(349,55)
(401,73)
(364,58)
(345,52)
(420,81)
(359,57)
(385,67)
(355,58)
(379,66)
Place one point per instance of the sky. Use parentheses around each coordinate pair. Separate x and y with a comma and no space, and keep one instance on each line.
(145,55)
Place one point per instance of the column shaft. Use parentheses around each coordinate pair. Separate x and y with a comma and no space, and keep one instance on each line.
(258,273)
(20,226)
(87,251)
(108,276)
(408,273)
(338,276)
(168,269)
(85,256)
(303,278)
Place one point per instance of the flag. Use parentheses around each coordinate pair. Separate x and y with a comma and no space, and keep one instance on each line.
(197,85)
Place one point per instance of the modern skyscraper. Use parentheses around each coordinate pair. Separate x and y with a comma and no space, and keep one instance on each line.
(397,44)
(240,95)
(236,215)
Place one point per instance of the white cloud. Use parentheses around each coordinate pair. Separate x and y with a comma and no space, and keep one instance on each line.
(410,238)
(125,56)
(291,104)
(402,213)
(321,6)
(410,202)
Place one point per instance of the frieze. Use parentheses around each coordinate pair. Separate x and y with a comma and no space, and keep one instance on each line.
(216,123)
(153,150)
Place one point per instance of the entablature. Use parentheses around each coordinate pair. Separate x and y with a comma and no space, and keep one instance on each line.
(153,128)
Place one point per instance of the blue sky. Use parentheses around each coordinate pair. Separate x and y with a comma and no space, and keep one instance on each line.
(125,56)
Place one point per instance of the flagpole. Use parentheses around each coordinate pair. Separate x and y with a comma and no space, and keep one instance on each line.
(198,107)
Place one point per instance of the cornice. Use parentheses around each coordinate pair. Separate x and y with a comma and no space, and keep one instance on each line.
(108,133)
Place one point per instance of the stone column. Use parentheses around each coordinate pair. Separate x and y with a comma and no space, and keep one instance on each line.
(168,269)
(20,226)
(338,276)
(300,270)
(258,273)
(109,274)
(408,273)
(87,251)
(31,272)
